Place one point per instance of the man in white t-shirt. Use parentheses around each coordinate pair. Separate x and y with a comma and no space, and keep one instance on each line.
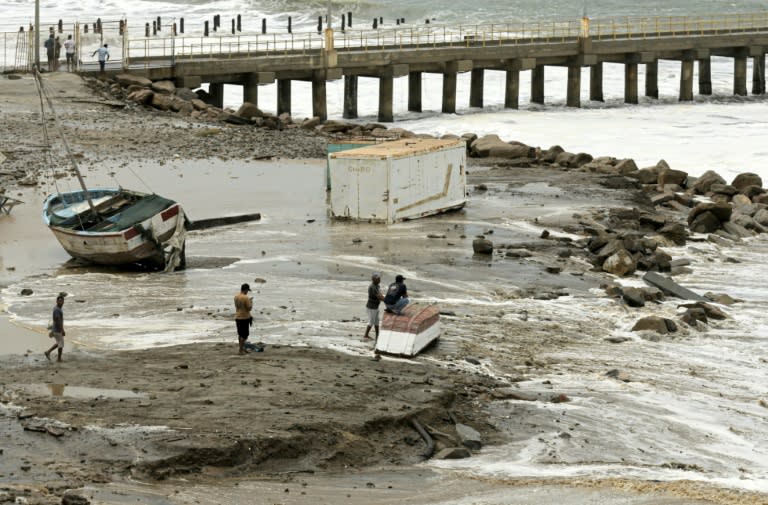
(69,47)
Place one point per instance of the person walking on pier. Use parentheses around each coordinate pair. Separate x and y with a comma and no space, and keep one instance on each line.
(50,50)
(243,318)
(103,57)
(374,299)
(57,329)
(57,54)
(69,47)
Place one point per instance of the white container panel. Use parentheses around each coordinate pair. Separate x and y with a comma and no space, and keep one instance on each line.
(360,189)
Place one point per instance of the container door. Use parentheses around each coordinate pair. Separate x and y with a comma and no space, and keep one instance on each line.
(359,189)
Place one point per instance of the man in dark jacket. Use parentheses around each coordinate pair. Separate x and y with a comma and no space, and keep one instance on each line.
(372,306)
(50,49)
(397,296)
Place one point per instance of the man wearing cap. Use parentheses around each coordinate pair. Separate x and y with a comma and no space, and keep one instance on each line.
(397,296)
(374,299)
(243,318)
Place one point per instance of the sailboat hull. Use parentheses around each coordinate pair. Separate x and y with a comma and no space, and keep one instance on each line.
(134,228)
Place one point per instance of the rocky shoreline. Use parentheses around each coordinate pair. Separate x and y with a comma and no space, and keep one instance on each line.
(351,412)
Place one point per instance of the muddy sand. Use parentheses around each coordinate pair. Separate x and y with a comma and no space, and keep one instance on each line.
(293,424)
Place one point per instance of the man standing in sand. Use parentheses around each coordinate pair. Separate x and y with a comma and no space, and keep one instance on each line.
(397,296)
(103,57)
(243,318)
(374,299)
(57,329)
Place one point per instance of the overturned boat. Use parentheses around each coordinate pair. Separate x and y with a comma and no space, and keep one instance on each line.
(118,227)
(409,333)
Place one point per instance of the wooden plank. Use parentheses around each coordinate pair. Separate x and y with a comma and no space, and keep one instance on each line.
(203,224)
(670,287)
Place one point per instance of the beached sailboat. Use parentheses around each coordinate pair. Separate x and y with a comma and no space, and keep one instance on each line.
(114,226)
(118,227)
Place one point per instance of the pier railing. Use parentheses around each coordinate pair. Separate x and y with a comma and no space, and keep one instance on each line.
(165,50)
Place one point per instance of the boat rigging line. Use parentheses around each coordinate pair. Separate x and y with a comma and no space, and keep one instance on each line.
(44,95)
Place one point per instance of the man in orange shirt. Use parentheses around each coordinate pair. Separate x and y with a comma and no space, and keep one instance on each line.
(243,318)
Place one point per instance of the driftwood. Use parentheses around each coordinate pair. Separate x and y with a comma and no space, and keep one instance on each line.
(430,442)
(203,224)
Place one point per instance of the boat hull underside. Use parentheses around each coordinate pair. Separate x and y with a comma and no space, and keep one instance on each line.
(113,248)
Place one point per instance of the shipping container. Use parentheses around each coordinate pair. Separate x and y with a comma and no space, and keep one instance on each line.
(398,180)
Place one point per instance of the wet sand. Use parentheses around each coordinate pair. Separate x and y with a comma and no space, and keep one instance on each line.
(168,416)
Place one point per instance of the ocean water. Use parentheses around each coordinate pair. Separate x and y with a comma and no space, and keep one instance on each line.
(695,407)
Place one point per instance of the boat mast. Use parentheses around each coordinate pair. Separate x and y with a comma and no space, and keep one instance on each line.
(37,34)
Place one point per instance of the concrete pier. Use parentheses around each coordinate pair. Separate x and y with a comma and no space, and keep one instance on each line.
(596,83)
(630,46)
(251,89)
(573,96)
(705,76)
(537,84)
(740,73)
(414,91)
(630,80)
(216,90)
(686,79)
(386,94)
(350,97)
(319,104)
(758,74)
(512,87)
(283,96)
(652,79)
(476,88)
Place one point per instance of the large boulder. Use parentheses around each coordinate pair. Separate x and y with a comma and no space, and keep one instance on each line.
(704,183)
(675,232)
(705,222)
(130,79)
(161,101)
(482,246)
(142,96)
(481,147)
(648,175)
(625,167)
(761,216)
(167,87)
(470,438)
(550,155)
(621,263)
(722,211)
(745,179)
(670,176)
(511,151)
(656,324)
(248,111)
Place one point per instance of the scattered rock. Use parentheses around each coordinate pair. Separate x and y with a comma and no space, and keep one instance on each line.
(453,453)
(656,324)
(482,246)
(469,437)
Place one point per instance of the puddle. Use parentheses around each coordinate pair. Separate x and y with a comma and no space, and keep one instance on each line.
(82,393)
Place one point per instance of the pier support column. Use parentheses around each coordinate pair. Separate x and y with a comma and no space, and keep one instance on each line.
(686,80)
(758,74)
(386,92)
(350,97)
(283,96)
(251,89)
(537,84)
(705,76)
(574,87)
(512,88)
(319,104)
(740,73)
(476,88)
(596,82)
(216,91)
(414,91)
(630,80)
(652,79)
(449,92)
